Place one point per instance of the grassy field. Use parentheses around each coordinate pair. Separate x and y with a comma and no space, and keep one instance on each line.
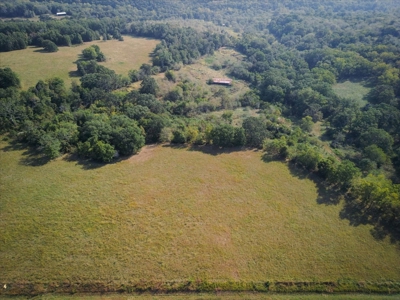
(32,64)
(175,214)
(356,90)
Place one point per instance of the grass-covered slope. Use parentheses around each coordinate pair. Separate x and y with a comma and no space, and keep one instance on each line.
(175,214)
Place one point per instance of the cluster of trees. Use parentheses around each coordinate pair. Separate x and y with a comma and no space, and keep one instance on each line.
(179,45)
(9,79)
(300,84)
(101,136)
(16,35)
(51,118)
(93,53)
(13,41)
(97,77)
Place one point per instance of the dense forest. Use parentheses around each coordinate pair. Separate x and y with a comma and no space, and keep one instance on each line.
(295,52)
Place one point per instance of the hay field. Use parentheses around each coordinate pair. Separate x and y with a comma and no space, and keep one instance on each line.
(32,64)
(175,214)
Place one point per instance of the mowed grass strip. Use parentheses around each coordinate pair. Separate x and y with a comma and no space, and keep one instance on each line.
(176,214)
(32,64)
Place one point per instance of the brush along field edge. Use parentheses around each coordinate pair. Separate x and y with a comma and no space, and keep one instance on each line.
(199,286)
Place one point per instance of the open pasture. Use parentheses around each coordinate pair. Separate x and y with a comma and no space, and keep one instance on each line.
(176,214)
(32,64)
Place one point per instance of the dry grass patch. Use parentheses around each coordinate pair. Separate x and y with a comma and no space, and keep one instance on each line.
(32,64)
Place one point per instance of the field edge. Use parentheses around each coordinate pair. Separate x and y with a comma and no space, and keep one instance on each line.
(200,286)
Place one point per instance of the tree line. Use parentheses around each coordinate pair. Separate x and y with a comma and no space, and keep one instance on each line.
(16,35)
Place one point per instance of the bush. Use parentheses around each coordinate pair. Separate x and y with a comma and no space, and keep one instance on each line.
(49,46)
(178,137)
(309,158)
(239,138)
(170,75)
(9,79)
(50,145)
(103,152)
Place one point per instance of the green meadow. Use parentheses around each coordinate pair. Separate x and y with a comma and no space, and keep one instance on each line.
(172,214)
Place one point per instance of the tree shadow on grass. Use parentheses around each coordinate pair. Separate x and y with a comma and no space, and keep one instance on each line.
(30,157)
(34,158)
(89,164)
(354,214)
(380,232)
(13,145)
(84,163)
(352,211)
(326,195)
(358,215)
(74,74)
(208,149)
(40,50)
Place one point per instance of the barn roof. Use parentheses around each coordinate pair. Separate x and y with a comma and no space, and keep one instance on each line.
(222,80)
